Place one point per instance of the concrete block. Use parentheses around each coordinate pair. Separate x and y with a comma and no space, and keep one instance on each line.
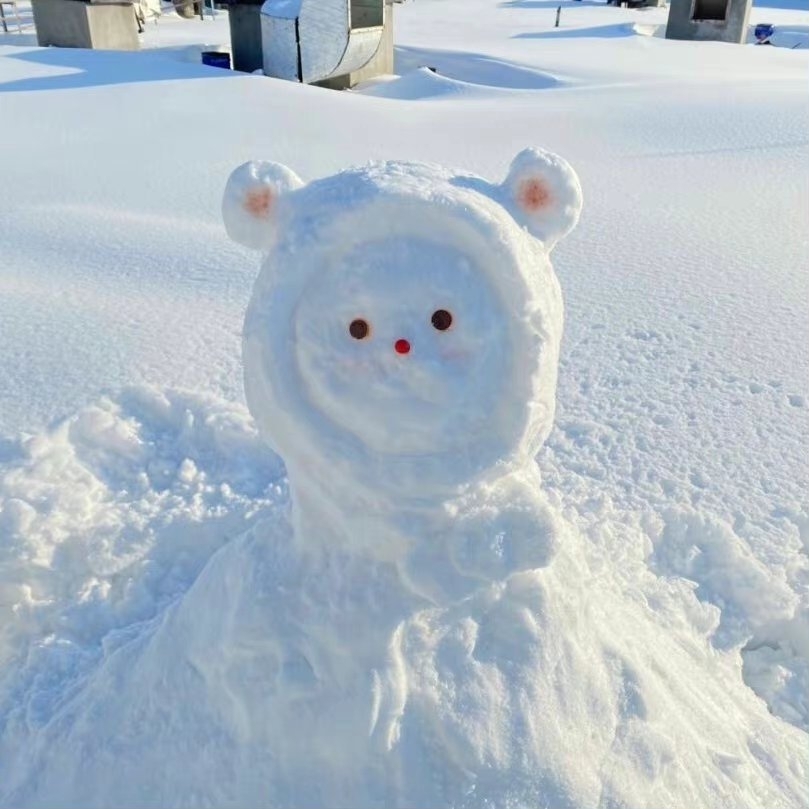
(715,20)
(79,24)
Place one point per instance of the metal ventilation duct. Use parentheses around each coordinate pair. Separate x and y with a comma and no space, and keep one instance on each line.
(314,40)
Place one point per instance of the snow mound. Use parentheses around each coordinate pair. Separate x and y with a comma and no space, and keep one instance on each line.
(760,611)
(589,683)
(794,37)
(111,514)
(427,82)
(475,70)
(649,30)
(703,549)
(422,83)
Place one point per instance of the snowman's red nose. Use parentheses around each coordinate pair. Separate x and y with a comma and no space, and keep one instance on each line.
(402,347)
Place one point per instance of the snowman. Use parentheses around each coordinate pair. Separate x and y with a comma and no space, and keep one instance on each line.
(401,350)
(422,627)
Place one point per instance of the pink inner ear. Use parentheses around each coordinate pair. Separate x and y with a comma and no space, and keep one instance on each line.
(259,202)
(534,195)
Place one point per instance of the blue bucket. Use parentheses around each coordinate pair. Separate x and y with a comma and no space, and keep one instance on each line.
(216,59)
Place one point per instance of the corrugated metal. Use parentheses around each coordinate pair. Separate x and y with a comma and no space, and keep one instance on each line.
(279,47)
(324,37)
(362,45)
(328,46)
(285,9)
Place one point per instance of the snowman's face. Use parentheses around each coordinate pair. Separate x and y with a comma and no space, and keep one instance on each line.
(403,333)
(404,344)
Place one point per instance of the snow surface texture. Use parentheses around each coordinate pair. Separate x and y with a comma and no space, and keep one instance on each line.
(428,629)
(682,419)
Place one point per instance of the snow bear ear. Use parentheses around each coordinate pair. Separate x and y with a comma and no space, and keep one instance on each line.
(250,201)
(543,194)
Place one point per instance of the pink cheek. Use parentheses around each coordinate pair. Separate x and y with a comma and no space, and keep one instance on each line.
(348,365)
(457,355)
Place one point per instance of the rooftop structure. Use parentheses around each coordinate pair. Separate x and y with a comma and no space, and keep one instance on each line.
(720,20)
(331,42)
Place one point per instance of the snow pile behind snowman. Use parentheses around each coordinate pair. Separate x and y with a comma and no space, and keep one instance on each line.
(426,629)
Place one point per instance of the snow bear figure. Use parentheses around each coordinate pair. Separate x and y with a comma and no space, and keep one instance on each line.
(408,638)
(401,350)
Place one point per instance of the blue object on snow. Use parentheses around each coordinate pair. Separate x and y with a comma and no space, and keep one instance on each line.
(762,32)
(216,59)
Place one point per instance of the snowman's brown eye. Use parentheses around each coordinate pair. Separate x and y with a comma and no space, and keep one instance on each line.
(359,329)
(441,319)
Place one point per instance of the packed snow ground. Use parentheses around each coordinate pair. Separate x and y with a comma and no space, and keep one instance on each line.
(126,454)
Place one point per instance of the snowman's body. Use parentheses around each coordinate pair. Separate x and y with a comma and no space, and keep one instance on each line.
(423,629)
(401,350)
